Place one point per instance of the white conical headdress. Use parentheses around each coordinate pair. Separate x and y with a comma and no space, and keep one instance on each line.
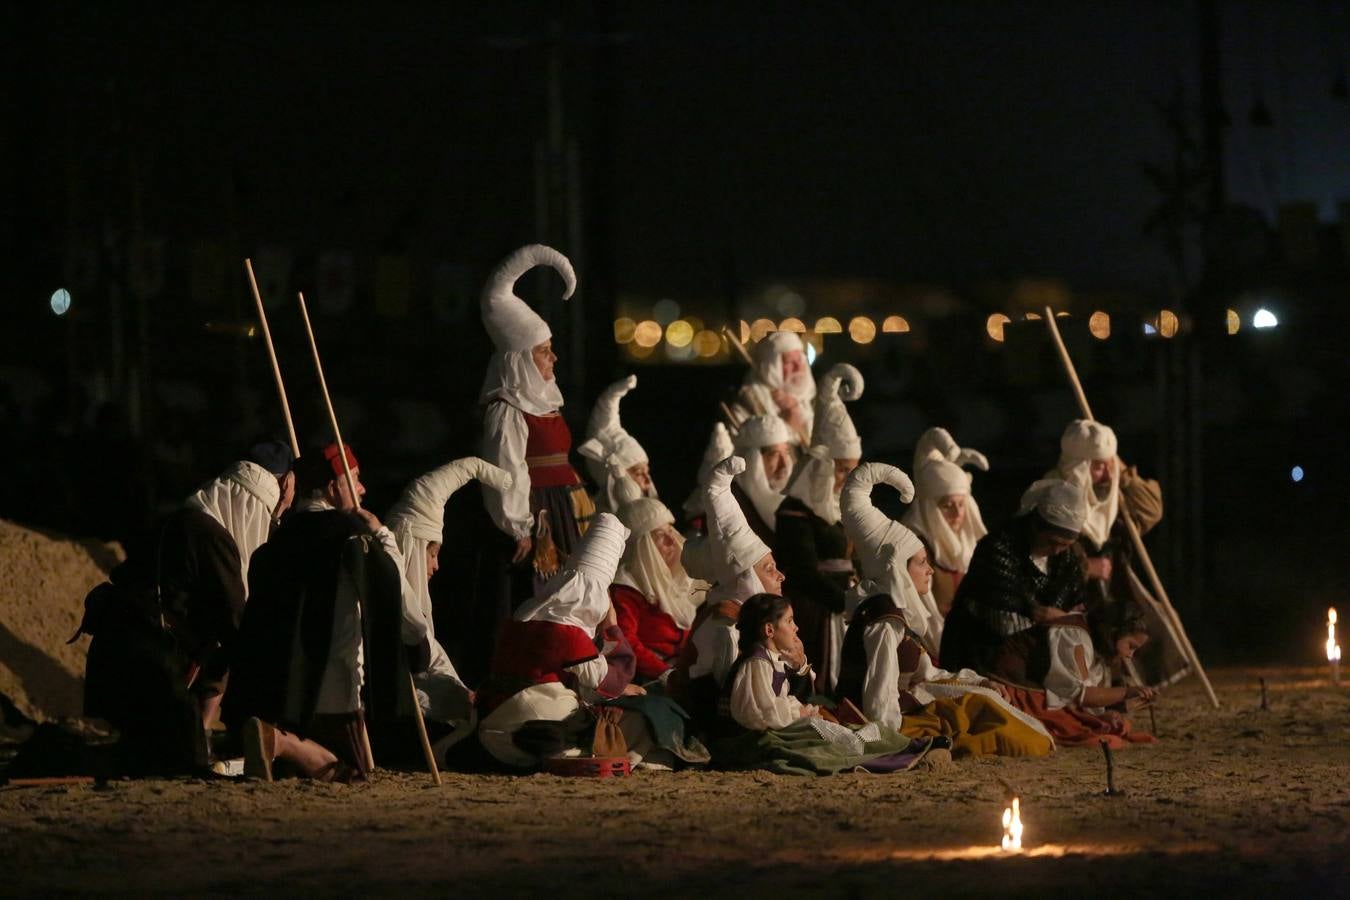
(579,594)
(421,508)
(833,425)
(813,483)
(735,547)
(509,321)
(719,448)
(608,445)
(938,473)
(876,536)
(937,443)
(639,514)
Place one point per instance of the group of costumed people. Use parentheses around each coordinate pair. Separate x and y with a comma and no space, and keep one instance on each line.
(781,621)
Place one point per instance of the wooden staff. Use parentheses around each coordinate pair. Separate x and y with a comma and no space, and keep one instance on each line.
(272,355)
(356,501)
(740,348)
(1169,612)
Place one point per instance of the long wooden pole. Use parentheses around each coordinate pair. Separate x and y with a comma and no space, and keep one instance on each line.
(1135,538)
(356,501)
(272,355)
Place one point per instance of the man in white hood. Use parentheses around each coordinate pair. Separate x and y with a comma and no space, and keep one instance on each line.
(611,452)
(418,522)
(160,679)
(809,537)
(1088,460)
(779,384)
(944,512)
(764,442)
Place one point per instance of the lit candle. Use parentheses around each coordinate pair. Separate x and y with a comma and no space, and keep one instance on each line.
(1012,826)
(1333,648)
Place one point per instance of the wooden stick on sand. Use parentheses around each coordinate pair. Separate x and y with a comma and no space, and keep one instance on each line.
(356,501)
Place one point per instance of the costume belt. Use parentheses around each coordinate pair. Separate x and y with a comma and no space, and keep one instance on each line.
(545,462)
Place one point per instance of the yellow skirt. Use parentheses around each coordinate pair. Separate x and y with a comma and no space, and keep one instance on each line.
(977,726)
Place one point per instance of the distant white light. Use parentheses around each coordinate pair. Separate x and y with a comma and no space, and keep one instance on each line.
(1149,329)
(60,301)
(1264,318)
(810,354)
(1296,474)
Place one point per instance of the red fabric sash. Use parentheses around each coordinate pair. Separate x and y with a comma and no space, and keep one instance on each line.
(1072,726)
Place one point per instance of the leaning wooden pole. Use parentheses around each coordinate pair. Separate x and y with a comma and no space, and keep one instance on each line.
(1135,538)
(356,501)
(272,355)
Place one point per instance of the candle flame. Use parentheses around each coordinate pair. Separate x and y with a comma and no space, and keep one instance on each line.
(1012,826)
(1333,647)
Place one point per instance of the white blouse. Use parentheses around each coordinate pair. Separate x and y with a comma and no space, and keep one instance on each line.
(504,438)
(754,703)
(884,681)
(715,639)
(1074,667)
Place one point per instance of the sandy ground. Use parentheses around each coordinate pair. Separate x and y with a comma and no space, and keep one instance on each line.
(43,580)
(1239,800)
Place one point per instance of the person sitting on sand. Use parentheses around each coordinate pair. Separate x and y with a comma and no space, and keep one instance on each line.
(330,633)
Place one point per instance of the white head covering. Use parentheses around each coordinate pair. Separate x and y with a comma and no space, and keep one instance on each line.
(608,446)
(754,434)
(1085,441)
(938,474)
(642,566)
(579,594)
(833,426)
(418,518)
(885,548)
(732,548)
(1057,502)
(241,499)
(768,366)
(833,437)
(719,448)
(515,329)
(870,530)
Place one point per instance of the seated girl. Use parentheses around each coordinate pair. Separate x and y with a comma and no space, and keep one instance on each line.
(1061,671)
(770,727)
(890,676)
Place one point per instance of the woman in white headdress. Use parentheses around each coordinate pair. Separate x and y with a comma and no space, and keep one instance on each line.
(891,677)
(944,512)
(561,650)
(546,509)
(739,565)
(809,537)
(779,384)
(884,548)
(1026,572)
(612,453)
(653,595)
(765,443)
(418,521)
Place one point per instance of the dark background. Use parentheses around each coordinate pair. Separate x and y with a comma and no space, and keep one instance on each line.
(943,164)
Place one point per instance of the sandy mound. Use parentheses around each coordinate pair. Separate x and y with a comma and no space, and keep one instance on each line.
(43,581)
